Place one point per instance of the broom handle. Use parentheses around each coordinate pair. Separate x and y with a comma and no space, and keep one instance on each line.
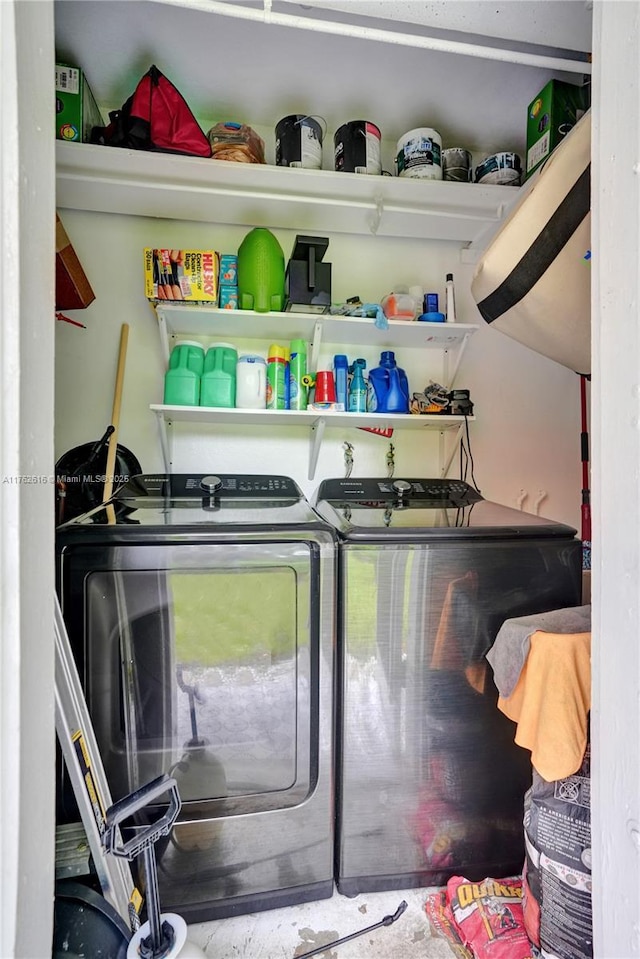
(115,416)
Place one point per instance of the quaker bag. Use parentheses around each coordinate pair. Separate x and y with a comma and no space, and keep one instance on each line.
(156,117)
(533,282)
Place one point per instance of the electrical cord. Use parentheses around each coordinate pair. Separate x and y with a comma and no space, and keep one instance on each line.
(467,466)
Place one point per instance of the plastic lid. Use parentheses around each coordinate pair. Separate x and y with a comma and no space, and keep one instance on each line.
(427,133)
(340,360)
(227,346)
(251,358)
(188,343)
(277,352)
(449,276)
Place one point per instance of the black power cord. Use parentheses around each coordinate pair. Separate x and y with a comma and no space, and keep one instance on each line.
(467,467)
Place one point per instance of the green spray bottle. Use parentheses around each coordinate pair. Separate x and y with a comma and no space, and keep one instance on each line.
(277,377)
(298,392)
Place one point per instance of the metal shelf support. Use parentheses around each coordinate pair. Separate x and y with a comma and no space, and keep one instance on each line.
(316,435)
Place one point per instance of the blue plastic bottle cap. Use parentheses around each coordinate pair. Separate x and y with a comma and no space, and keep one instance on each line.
(432,318)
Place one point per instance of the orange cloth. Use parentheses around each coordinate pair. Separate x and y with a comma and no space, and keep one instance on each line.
(551,701)
(455,641)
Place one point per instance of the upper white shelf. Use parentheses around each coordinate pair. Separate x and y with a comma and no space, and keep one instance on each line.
(184,320)
(212,414)
(111,180)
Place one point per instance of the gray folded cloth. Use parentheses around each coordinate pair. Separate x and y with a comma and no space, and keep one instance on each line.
(509,652)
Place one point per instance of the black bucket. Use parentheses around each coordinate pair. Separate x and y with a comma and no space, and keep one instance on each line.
(299,142)
(357,147)
(85,924)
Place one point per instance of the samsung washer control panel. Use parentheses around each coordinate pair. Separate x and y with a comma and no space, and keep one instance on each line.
(425,493)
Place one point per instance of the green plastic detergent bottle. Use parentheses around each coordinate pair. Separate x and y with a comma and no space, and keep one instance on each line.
(182,379)
(389,392)
(218,386)
(260,272)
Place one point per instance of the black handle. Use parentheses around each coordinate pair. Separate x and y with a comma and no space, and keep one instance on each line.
(99,446)
(131,804)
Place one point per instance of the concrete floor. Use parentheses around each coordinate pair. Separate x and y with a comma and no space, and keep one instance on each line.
(295,930)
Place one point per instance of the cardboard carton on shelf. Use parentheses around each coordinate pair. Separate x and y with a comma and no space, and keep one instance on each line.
(76,109)
(550,116)
(73,290)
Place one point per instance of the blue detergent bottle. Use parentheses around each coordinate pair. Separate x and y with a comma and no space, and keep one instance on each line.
(390,387)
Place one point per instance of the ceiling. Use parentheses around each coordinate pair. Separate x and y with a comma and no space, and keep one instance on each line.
(229,68)
(554,24)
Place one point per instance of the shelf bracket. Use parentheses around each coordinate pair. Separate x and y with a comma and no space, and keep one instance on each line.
(164,333)
(316,343)
(317,432)
(164,441)
(446,463)
(450,379)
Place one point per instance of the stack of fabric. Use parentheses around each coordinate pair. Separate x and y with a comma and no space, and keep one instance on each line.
(542,669)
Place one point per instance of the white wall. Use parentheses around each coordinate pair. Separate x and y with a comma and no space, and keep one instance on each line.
(526,437)
(616,480)
(27,742)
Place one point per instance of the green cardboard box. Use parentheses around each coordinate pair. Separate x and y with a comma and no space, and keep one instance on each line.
(550,116)
(76,109)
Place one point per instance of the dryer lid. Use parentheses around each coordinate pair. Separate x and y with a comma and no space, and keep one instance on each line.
(189,499)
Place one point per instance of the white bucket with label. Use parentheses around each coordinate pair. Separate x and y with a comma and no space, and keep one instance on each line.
(504,169)
(419,154)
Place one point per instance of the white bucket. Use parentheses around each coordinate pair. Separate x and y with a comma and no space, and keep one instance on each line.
(419,154)
(504,169)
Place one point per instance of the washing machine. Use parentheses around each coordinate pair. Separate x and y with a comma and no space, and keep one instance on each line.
(429,780)
(201,612)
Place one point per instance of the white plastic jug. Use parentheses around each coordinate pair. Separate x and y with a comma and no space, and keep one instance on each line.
(251,382)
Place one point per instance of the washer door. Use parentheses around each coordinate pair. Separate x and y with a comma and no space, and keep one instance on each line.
(206,667)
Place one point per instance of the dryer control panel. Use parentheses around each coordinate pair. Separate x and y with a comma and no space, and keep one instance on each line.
(197,485)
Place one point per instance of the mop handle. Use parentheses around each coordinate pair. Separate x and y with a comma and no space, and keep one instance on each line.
(125,808)
(387,921)
(162,934)
(584,452)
